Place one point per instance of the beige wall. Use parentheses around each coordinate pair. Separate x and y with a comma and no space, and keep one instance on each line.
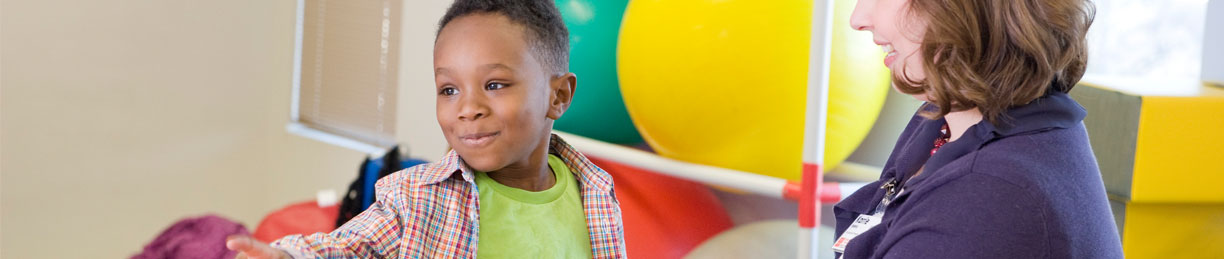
(120,117)
(417,125)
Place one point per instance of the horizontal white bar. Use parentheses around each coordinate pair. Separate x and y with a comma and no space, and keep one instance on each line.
(754,183)
(311,133)
(846,189)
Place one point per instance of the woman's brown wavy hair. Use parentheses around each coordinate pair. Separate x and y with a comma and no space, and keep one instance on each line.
(997,54)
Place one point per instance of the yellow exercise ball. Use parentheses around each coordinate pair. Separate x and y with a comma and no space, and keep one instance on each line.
(724,82)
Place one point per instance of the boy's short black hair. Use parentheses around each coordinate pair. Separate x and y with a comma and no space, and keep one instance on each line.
(547,36)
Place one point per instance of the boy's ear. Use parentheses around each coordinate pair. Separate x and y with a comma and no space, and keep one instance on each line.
(561,94)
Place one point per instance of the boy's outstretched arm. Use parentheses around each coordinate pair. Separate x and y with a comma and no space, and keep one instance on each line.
(249,248)
(373,233)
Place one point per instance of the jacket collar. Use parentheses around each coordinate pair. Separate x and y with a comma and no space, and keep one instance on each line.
(1055,110)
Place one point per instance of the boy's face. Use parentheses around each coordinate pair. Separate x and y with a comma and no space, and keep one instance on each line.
(496,101)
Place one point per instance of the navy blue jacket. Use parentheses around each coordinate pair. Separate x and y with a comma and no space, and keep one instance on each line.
(1029,188)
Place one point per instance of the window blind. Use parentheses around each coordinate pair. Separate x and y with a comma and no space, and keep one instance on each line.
(346,79)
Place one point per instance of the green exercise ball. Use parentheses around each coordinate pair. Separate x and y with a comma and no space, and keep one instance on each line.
(597,111)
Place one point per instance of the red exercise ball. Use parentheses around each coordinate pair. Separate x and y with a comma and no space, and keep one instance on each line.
(664,216)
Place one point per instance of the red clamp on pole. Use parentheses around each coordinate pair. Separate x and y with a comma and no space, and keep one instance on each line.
(830,192)
(809,205)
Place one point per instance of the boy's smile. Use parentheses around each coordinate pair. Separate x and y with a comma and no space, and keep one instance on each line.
(496,101)
(479,139)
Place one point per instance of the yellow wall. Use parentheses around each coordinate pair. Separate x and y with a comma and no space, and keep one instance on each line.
(1170,152)
(120,117)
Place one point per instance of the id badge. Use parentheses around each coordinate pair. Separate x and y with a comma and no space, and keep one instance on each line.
(861,224)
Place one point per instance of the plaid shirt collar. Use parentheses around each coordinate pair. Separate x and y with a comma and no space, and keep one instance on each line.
(452,165)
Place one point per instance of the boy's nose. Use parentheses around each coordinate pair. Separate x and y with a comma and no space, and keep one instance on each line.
(472,108)
(471,116)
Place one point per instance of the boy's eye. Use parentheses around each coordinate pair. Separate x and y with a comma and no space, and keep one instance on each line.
(448,91)
(495,86)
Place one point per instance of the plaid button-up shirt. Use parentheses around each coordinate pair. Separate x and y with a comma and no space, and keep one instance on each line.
(432,211)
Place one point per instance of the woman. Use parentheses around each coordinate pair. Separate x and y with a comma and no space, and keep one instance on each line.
(996,163)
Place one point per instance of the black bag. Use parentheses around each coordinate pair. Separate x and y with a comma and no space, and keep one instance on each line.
(360,193)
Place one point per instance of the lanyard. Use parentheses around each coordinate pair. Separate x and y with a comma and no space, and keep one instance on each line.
(865,222)
(892,189)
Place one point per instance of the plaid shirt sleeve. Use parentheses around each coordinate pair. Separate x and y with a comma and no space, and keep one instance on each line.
(427,212)
(372,234)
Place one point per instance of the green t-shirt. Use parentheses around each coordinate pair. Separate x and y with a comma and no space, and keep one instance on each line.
(516,223)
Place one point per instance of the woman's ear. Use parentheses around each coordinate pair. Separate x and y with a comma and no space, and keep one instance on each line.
(561,90)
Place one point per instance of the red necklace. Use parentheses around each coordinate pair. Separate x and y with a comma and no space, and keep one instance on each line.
(944,136)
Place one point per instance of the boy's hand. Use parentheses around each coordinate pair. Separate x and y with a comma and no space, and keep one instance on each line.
(249,248)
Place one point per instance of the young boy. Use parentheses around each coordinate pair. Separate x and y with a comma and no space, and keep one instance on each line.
(509,188)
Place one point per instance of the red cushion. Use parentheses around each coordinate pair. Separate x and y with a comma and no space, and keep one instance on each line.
(299,218)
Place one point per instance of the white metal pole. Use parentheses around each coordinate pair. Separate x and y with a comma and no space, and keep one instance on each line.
(814,127)
(1213,38)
